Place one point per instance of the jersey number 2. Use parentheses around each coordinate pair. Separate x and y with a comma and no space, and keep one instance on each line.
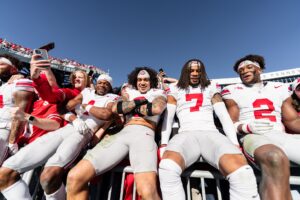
(259,114)
(198,97)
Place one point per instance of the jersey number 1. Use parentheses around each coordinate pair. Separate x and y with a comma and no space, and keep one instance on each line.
(199,97)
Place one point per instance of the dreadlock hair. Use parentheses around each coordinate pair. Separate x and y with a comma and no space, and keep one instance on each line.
(132,77)
(15,61)
(255,58)
(184,80)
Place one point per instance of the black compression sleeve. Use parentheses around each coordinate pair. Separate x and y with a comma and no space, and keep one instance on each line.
(149,109)
(120,107)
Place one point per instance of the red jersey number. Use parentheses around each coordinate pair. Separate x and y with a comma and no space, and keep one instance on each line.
(91,102)
(264,113)
(199,97)
(1,101)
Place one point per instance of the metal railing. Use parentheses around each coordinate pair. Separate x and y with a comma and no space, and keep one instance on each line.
(187,175)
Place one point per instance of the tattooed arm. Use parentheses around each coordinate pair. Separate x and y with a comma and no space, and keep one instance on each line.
(125,106)
(157,106)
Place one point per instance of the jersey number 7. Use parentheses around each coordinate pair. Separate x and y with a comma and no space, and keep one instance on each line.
(198,97)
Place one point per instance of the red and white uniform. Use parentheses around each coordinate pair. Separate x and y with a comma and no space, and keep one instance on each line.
(264,102)
(259,102)
(53,95)
(135,140)
(91,98)
(198,135)
(6,96)
(6,103)
(194,108)
(41,109)
(150,96)
(62,146)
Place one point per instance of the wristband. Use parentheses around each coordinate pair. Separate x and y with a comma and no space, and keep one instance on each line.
(246,128)
(120,107)
(88,108)
(139,102)
(67,116)
(149,109)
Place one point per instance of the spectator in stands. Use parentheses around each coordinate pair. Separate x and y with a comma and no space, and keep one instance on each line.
(19,93)
(60,147)
(257,109)
(142,106)
(194,98)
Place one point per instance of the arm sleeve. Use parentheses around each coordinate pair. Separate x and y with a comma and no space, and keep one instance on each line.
(226,122)
(167,123)
(24,85)
(46,92)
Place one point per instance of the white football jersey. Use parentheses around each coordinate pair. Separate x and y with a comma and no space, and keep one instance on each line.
(194,108)
(6,96)
(91,98)
(150,96)
(258,102)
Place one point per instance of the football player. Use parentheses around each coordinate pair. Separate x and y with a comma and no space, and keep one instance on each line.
(257,109)
(18,93)
(142,105)
(193,99)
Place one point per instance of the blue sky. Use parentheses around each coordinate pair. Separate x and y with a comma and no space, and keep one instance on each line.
(118,35)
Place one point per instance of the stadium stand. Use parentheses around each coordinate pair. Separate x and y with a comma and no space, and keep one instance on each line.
(285,76)
(111,184)
(61,67)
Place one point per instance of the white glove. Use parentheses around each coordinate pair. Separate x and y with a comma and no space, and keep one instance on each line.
(81,126)
(13,148)
(79,110)
(258,126)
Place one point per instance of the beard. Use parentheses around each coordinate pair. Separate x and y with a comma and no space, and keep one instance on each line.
(5,77)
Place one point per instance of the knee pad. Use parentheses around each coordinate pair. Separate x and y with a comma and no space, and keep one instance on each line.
(243,184)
